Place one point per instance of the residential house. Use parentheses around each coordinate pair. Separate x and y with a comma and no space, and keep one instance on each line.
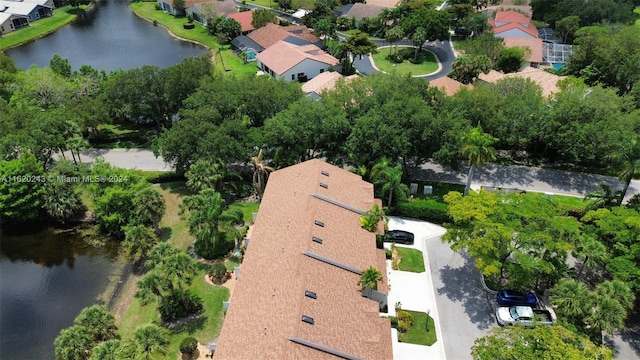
(533,46)
(272,33)
(292,62)
(297,294)
(389,4)
(359,11)
(324,82)
(10,22)
(244,18)
(246,48)
(548,82)
(30,10)
(201,9)
(448,86)
(513,24)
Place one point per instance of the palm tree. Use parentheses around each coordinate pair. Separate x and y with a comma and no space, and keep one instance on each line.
(325,30)
(571,297)
(370,278)
(77,144)
(150,207)
(209,223)
(477,148)
(138,241)
(418,38)
(159,253)
(371,220)
(629,159)
(607,314)
(619,291)
(605,198)
(151,288)
(100,324)
(73,343)
(392,36)
(592,253)
(260,173)
(203,174)
(60,199)
(106,350)
(151,338)
(180,268)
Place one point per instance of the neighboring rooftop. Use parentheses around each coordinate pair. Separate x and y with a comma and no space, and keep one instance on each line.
(298,297)
(546,81)
(272,33)
(243,42)
(223,8)
(283,56)
(384,3)
(511,22)
(18,8)
(360,11)
(448,85)
(244,18)
(533,44)
(324,82)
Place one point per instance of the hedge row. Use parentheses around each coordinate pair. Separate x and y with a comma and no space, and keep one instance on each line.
(425,209)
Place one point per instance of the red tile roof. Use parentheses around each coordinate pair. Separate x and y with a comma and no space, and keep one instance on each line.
(534,46)
(244,18)
(272,33)
(282,56)
(448,85)
(548,82)
(264,320)
(508,20)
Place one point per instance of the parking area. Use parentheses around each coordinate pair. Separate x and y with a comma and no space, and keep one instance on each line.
(450,288)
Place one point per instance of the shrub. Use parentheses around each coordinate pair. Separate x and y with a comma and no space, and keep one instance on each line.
(405,321)
(388,254)
(394,322)
(176,309)
(158,7)
(188,345)
(396,58)
(190,18)
(189,26)
(406,53)
(218,272)
(428,210)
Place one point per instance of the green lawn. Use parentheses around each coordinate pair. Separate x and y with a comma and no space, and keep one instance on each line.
(61,16)
(411,260)
(118,136)
(248,208)
(266,3)
(205,329)
(232,63)
(427,67)
(418,333)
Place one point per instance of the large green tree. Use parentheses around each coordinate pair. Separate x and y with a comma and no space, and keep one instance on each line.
(99,323)
(262,17)
(359,44)
(478,149)
(73,343)
(21,186)
(150,339)
(149,207)
(467,68)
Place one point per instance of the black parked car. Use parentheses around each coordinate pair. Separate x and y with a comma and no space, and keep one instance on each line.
(398,236)
(516,298)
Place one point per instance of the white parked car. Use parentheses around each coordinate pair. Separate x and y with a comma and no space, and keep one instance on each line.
(523,315)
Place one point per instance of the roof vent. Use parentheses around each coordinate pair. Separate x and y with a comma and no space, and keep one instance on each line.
(323,185)
(324,172)
(307,319)
(316,239)
(310,294)
(319,223)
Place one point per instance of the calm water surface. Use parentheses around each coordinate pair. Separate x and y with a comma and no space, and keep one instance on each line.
(47,276)
(108,37)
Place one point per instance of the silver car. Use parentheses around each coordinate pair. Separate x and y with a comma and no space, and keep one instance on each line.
(511,315)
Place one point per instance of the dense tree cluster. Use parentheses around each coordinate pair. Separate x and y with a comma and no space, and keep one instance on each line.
(590,12)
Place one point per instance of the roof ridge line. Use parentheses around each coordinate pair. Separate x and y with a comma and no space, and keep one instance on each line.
(323,348)
(335,263)
(338,203)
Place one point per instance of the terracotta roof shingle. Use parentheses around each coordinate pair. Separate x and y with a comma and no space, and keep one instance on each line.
(244,18)
(264,320)
(448,85)
(324,82)
(283,56)
(508,20)
(534,45)
(546,81)
(272,33)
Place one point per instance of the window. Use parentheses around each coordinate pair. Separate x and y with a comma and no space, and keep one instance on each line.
(310,294)
(316,239)
(307,319)
(293,76)
(321,71)
(319,223)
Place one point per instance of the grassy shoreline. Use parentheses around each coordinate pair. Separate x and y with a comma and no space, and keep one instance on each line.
(224,59)
(41,28)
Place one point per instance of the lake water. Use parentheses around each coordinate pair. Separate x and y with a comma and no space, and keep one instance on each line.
(109,37)
(47,276)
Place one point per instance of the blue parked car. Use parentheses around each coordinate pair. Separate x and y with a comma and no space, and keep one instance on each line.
(516,298)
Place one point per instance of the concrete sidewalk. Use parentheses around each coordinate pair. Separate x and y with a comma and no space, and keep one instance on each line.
(415,290)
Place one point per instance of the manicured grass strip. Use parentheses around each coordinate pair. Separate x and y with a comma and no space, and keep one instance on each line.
(418,333)
(203,329)
(266,3)
(412,260)
(428,66)
(232,63)
(39,28)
